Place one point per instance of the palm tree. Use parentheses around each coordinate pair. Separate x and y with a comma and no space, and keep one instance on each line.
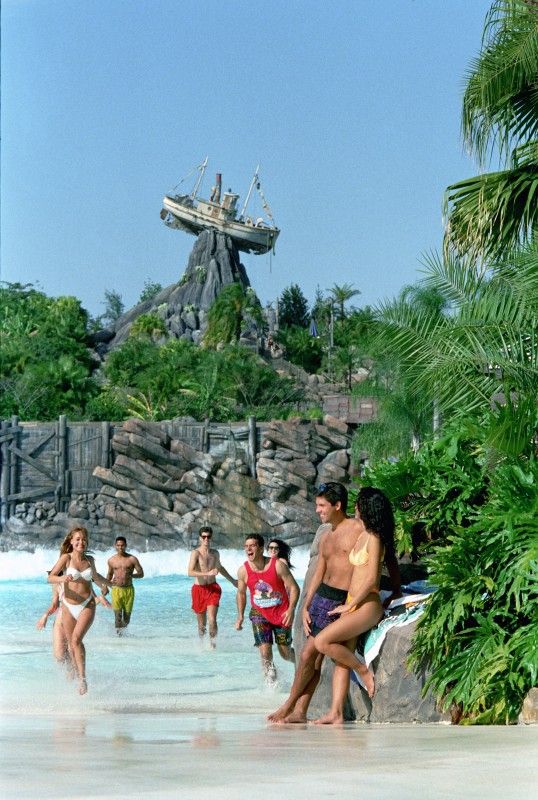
(489,214)
(480,358)
(341,294)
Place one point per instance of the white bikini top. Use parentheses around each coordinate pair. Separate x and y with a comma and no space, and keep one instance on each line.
(85,575)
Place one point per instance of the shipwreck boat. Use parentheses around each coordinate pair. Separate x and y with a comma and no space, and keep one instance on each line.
(193,214)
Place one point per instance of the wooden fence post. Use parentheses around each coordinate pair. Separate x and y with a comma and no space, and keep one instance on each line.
(105,444)
(252,445)
(62,462)
(12,461)
(4,429)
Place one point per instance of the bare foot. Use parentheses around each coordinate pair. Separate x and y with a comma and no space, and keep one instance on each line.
(366,679)
(330,719)
(83,688)
(295,718)
(279,714)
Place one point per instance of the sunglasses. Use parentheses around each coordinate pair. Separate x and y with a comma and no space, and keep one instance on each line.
(273,547)
(205,536)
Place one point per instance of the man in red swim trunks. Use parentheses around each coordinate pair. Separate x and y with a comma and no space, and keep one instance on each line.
(204,566)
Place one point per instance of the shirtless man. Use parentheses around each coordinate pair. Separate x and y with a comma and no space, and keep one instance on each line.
(204,566)
(122,568)
(326,590)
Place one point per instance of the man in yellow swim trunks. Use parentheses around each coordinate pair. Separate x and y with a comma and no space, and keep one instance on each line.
(122,568)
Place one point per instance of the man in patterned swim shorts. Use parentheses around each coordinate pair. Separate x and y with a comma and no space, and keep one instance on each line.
(327,589)
(273,596)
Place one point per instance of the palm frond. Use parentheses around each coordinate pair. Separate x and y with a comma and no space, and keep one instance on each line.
(489,215)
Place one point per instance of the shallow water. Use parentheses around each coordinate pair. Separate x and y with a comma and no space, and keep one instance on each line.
(167,718)
(158,665)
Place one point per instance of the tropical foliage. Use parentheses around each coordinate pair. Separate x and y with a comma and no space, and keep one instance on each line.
(492,213)
(232,309)
(292,308)
(162,381)
(44,360)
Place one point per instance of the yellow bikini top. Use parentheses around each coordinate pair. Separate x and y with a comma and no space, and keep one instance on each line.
(362,556)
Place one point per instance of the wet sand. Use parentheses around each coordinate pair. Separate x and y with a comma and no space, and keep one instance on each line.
(130,755)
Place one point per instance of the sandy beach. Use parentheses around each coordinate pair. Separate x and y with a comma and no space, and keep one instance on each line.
(165,756)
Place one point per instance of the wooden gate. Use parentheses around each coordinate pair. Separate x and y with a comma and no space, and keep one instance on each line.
(49,461)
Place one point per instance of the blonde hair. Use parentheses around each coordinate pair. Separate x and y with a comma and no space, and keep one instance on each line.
(66,546)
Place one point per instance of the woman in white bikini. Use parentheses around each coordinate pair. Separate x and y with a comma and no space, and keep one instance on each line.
(363,609)
(74,572)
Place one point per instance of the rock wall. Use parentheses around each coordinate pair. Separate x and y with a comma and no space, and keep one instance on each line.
(213,264)
(159,490)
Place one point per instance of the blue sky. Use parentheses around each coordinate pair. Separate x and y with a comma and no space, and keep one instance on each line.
(352,108)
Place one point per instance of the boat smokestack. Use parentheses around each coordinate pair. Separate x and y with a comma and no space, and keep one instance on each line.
(215,191)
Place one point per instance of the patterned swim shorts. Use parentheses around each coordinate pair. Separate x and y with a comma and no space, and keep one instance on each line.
(264,630)
(325,599)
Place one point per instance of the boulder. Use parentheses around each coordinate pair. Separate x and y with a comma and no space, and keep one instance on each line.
(529,709)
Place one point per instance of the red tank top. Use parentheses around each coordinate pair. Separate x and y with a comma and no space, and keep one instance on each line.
(267,592)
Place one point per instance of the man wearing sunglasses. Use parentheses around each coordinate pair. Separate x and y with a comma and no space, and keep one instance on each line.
(204,566)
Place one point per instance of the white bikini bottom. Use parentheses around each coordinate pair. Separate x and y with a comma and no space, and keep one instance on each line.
(75,609)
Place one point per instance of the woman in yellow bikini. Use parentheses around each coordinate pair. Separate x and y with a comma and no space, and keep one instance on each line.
(74,572)
(363,609)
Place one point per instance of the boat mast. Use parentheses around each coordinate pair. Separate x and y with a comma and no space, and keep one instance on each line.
(252,184)
(202,168)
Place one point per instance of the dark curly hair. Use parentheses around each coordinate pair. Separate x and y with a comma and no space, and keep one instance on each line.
(284,550)
(376,512)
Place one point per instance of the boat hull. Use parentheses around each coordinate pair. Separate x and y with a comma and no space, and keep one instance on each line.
(249,238)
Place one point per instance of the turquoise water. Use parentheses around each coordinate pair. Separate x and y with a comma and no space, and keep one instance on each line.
(158,665)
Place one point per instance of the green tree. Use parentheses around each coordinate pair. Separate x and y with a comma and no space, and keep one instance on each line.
(114,306)
(149,291)
(340,295)
(301,348)
(490,214)
(292,308)
(45,363)
(148,325)
(231,309)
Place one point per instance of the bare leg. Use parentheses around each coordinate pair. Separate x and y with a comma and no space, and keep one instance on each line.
(202,620)
(118,622)
(75,631)
(287,652)
(268,667)
(213,627)
(305,675)
(340,688)
(335,639)
(126,619)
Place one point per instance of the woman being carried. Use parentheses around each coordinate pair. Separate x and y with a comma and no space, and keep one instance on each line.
(363,609)
(74,572)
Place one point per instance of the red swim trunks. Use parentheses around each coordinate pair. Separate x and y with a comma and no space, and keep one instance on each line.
(204,596)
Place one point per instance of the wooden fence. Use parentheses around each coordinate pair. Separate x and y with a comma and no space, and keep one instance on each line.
(55,460)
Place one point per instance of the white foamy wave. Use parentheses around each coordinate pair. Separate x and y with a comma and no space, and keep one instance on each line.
(19,565)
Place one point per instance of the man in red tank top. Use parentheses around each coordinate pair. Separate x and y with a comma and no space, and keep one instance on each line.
(273,595)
